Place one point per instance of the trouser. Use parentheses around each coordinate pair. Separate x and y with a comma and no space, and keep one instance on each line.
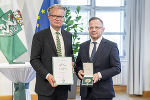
(59,94)
(91,97)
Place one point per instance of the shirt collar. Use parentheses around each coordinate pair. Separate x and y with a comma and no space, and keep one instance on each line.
(98,40)
(53,31)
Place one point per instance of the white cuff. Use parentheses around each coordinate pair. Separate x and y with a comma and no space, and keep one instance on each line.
(47,75)
(99,74)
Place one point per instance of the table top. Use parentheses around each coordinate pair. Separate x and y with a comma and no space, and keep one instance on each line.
(18,72)
(7,65)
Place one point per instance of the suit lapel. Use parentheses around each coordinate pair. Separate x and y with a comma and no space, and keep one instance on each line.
(87,46)
(65,41)
(51,41)
(99,50)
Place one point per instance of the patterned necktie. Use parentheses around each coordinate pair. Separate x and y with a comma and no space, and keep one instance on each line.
(93,51)
(58,44)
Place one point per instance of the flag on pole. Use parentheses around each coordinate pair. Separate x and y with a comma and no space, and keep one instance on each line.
(10,44)
(42,20)
(12,38)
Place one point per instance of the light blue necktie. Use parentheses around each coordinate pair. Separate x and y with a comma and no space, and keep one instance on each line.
(93,51)
(58,44)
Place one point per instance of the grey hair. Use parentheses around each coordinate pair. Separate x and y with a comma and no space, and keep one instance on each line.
(55,6)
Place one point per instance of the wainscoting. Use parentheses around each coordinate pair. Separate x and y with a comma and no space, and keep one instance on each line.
(120,95)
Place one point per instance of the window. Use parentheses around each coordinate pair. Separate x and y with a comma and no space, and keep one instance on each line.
(112,3)
(112,12)
(75,2)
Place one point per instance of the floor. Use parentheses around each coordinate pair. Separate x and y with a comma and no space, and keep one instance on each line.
(125,96)
(120,96)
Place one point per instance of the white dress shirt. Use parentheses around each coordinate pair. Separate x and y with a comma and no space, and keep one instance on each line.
(92,45)
(98,41)
(61,41)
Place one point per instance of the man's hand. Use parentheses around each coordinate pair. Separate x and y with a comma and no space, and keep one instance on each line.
(51,80)
(96,77)
(81,74)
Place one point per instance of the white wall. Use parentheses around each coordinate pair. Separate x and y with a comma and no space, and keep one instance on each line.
(32,86)
(147,46)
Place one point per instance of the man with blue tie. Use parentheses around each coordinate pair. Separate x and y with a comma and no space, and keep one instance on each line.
(104,55)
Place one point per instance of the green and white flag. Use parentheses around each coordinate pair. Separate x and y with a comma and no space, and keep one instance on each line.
(11,29)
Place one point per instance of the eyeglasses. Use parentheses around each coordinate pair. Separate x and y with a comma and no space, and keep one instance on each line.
(58,17)
(96,28)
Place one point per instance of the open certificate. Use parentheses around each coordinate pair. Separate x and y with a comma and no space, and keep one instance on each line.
(62,70)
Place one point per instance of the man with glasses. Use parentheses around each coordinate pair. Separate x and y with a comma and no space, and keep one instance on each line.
(48,43)
(104,55)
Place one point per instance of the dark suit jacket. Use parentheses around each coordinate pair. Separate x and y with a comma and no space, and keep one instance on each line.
(43,49)
(106,61)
